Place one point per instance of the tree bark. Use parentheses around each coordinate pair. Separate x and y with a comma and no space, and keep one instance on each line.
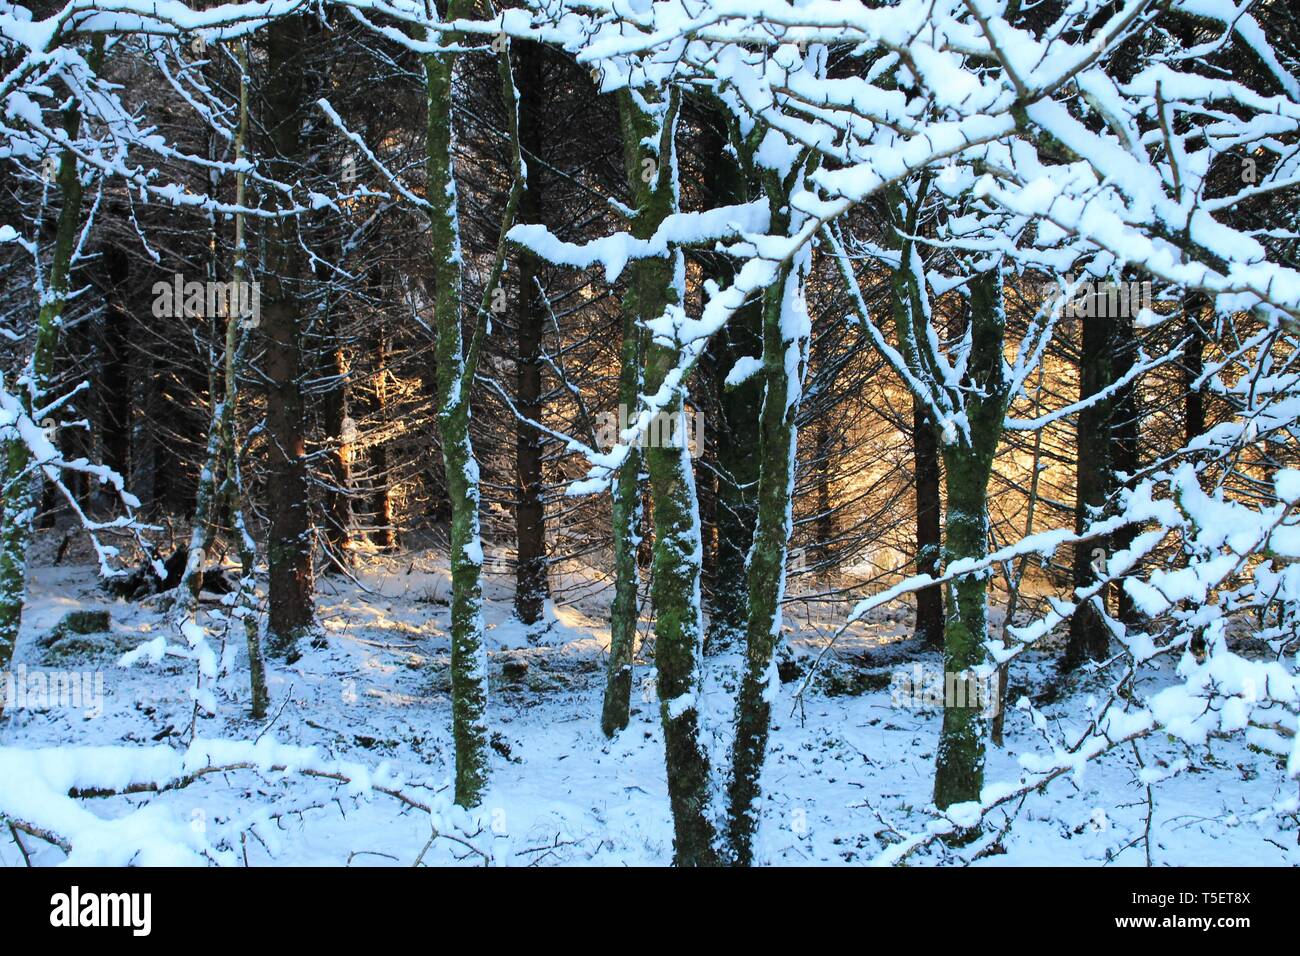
(455,367)
(468,653)
(289,546)
(786,337)
(1089,638)
(1193,366)
(21,489)
(1126,448)
(384,534)
(736,500)
(649,138)
(531,585)
(968,463)
(340,432)
(929,515)
(244,605)
(778,440)
(625,508)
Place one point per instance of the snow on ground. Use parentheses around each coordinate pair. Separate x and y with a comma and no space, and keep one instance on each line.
(848,772)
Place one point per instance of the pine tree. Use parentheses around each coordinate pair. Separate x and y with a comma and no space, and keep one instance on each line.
(290,542)
(531,579)
(1089,638)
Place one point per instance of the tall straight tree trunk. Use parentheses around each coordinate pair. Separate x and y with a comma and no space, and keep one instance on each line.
(341,435)
(1125,446)
(1089,638)
(531,586)
(628,491)
(968,463)
(244,605)
(203,527)
(21,484)
(823,450)
(456,365)
(625,507)
(468,653)
(117,386)
(384,534)
(289,547)
(1193,367)
(649,147)
(219,502)
(929,517)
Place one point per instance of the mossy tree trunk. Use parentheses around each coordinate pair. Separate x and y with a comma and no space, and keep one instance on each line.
(968,463)
(765,580)
(20,484)
(468,653)
(649,137)
(967,417)
(456,363)
(735,509)
(645,297)
(786,335)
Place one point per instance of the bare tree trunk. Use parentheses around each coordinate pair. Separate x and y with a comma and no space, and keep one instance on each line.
(649,144)
(929,513)
(1089,638)
(1193,366)
(959,765)
(531,585)
(736,500)
(625,508)
(341,433)
(457,362)
(385,532)
(1125,447)
(289,546)
(244,606)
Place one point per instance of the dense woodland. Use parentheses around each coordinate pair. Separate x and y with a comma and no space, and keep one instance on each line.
(738,321)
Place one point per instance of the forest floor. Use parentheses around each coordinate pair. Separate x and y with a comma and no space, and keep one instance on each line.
(849,770)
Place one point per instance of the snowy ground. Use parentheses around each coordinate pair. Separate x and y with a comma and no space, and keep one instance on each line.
(849,771)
